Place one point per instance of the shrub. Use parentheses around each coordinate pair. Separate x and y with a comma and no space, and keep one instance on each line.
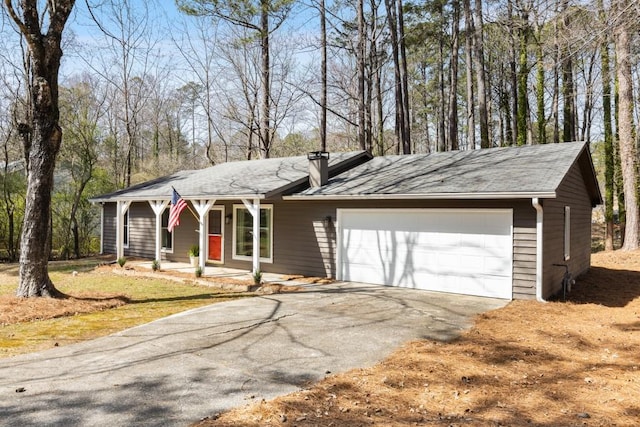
(155,265)
(257,277)
(198,271)
(122,261)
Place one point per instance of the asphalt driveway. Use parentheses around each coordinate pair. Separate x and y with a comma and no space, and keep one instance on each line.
(182,368)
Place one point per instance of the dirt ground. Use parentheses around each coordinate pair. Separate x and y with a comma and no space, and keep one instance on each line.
(545,364)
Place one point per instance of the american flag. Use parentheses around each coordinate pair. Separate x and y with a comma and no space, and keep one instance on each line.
(177,206)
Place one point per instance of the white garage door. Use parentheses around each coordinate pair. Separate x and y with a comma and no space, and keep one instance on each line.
(459,251)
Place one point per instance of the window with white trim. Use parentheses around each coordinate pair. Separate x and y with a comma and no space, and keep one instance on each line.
(567,233)
(243,233)
(125,234)
(167,236)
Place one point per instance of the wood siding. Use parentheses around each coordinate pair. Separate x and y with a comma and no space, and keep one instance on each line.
(109,228)
(142,226)
(571,192)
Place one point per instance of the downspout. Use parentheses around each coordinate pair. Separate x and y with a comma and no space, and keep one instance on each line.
(539,216)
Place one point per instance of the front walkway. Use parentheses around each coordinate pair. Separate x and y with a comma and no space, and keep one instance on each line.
(228,278)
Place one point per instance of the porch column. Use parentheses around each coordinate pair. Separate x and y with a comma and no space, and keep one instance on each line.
(121,209)
(202,207)
(158,206)
(254,210)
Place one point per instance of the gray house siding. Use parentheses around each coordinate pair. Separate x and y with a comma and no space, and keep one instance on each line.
(524,251)
(109,228)
(142,226)
(184,236)
(572,192)
(141,231)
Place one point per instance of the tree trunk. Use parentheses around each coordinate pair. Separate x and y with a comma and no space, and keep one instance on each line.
(10,206)
(406,116)
(523,73)
(608,140)
(628,154)
(514,73)
(483,115)
(361,70)
(568,110)
(469,48)
(398,92)
(556,87)
(442,142)
(42,137)
(453,78)
(569,119)
(587,116)
(265,120)
(542,122)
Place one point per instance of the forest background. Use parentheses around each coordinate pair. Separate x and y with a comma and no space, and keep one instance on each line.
(152,87)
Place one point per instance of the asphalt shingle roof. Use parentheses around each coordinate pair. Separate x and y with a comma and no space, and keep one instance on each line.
(507,172)
(528,171)
(243,179)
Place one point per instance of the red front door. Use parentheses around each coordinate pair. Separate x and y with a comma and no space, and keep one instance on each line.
(215,235)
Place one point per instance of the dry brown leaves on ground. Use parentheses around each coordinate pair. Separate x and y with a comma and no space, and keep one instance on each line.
(556,364)
(17,310)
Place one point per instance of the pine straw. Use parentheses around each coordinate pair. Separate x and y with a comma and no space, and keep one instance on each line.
(530,363)
(17,310)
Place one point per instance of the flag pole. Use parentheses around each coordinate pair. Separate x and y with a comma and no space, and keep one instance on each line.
(193,213)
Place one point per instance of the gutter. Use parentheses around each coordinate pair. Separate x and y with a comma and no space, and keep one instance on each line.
(539,217)
(187,198)
(426,196)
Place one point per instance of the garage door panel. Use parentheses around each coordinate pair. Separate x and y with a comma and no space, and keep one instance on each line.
(445,250)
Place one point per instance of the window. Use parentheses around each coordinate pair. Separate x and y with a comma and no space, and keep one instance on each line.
(125,237)
(167,237)
(567,233)
(243,233)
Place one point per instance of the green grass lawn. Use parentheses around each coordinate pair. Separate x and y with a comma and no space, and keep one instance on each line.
(149,299)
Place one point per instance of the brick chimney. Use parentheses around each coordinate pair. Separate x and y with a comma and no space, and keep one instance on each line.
(318,168)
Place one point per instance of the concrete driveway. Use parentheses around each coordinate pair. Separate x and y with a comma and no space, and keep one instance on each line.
(180,369)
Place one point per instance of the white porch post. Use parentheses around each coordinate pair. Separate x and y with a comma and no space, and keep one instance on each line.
(158,206)
(254,210)
(121,208)
(202,207)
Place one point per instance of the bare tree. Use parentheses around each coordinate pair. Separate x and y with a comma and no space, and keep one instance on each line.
(129,57)
(261,18)
(197,45)
(81,112)
(42,28)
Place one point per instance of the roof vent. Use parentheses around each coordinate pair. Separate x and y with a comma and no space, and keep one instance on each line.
(318,168)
